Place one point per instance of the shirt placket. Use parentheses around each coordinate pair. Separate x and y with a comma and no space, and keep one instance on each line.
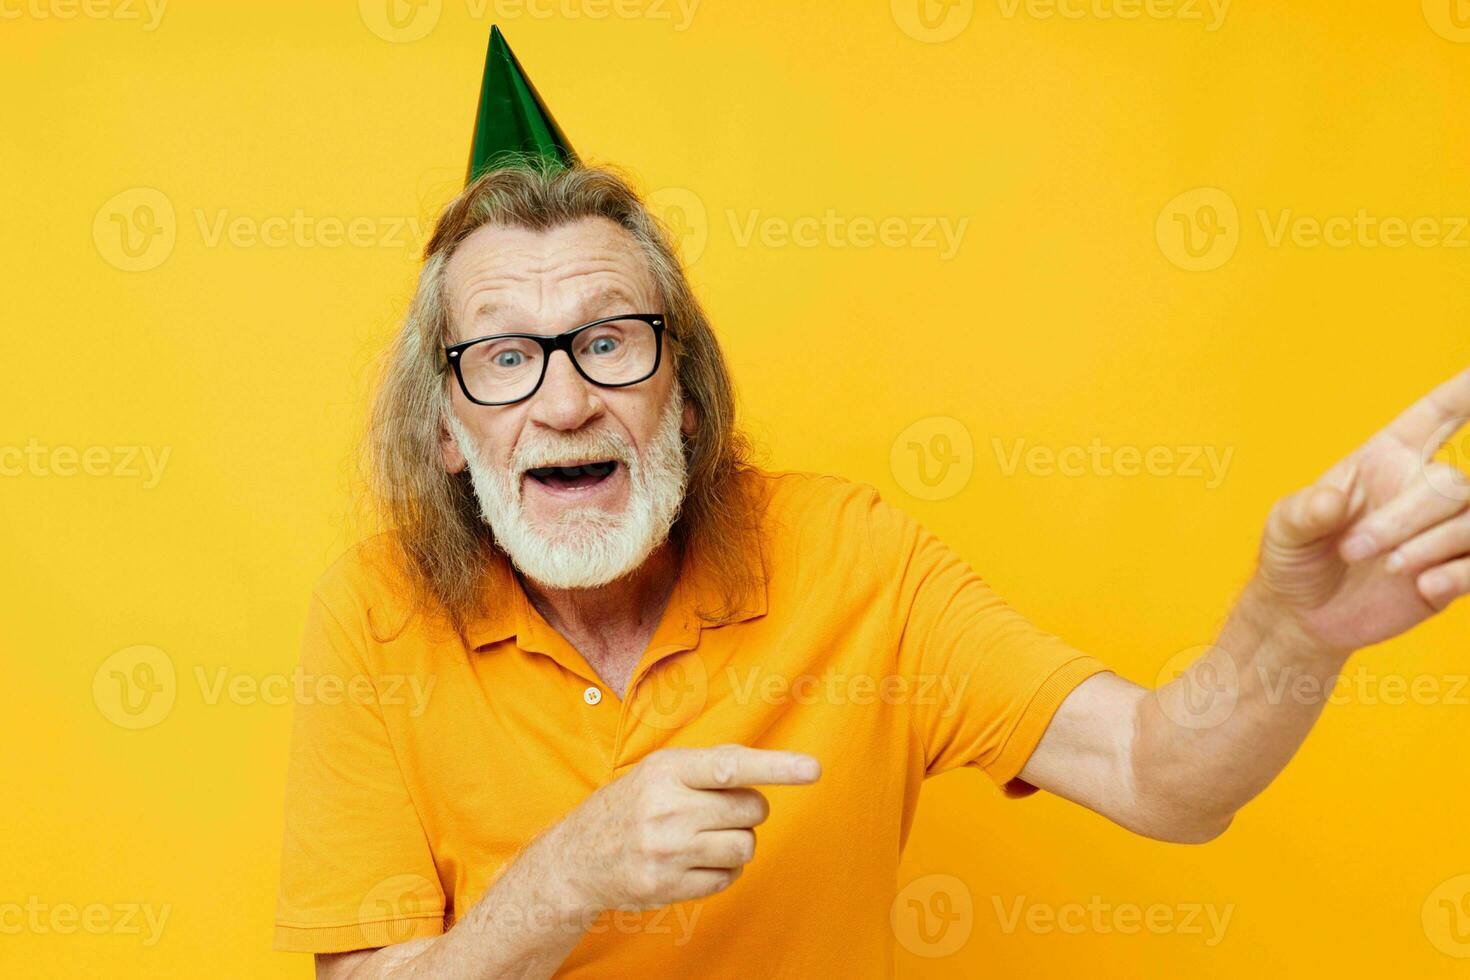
(586,697)
(678,632)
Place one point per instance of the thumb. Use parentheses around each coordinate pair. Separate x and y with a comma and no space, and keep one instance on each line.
(1310,515)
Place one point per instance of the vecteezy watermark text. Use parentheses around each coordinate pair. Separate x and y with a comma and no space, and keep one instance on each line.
(1101,917)
(118,462)
(1209,463)
(38,917)
(148,12)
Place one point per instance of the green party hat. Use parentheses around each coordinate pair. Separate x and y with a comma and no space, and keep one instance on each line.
(511,118)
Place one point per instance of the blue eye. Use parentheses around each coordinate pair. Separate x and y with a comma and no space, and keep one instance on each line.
(603,345)
(514,355)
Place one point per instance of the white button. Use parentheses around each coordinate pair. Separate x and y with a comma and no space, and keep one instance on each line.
(592,695)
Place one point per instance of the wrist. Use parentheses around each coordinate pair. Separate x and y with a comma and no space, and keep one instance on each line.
(1274,620)
(563,873)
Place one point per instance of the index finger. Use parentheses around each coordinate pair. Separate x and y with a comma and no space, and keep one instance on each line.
(724,766)
(1432,416)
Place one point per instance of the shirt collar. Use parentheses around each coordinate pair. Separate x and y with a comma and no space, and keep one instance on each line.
(510,613)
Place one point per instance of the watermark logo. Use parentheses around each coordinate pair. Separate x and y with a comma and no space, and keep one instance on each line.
(683,213)
(400,21)
(1450,19)
(135,687)
(932,21)
(933,458)
(388,909)
(1452,442)
(1207,690)
(673,693)
(136,230)
(1446,916)
(933,916)
(1199,230)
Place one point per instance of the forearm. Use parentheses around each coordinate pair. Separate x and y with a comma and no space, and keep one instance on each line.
(523,927)
(1207,742)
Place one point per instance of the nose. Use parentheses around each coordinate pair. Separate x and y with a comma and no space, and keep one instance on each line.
(566,401)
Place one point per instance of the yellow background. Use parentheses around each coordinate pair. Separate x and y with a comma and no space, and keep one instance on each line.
(1062,317)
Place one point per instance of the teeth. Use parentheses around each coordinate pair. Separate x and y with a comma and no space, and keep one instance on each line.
(572,472)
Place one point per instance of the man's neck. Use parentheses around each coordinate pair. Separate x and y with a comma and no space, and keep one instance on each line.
(611,625)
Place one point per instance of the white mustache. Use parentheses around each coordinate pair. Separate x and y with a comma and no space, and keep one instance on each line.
(534,457)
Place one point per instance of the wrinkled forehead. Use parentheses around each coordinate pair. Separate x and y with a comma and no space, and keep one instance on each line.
(503,278)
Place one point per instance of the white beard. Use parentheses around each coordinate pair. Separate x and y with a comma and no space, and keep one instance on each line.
(585,547)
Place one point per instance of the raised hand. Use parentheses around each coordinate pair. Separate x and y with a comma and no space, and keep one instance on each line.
(1380,542)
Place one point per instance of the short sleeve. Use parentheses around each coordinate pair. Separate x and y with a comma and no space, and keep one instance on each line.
(356,868)
(993,679)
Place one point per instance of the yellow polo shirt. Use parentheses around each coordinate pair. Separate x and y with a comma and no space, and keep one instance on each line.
(873,647)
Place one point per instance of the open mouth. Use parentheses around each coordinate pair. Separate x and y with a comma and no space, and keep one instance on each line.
(573,477)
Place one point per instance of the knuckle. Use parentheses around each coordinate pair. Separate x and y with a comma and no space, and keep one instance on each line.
(646,802)
(1411,552)
(1287,513)
(647,885)
(656,800)
(660,762)
(725,759)
(655,841)
(751,809)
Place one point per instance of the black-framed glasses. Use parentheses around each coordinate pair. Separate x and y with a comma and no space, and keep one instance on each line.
(505,368)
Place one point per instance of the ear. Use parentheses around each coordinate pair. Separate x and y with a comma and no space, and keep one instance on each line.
(688,421)
(454,460)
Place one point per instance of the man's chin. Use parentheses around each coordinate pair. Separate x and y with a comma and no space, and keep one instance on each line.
(567,561)
(572,525)
(570,537)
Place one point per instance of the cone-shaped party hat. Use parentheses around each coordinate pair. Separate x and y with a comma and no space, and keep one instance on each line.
(511,117)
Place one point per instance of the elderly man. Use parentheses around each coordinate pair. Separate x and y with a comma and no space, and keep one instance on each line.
(611,607)
(595,627)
